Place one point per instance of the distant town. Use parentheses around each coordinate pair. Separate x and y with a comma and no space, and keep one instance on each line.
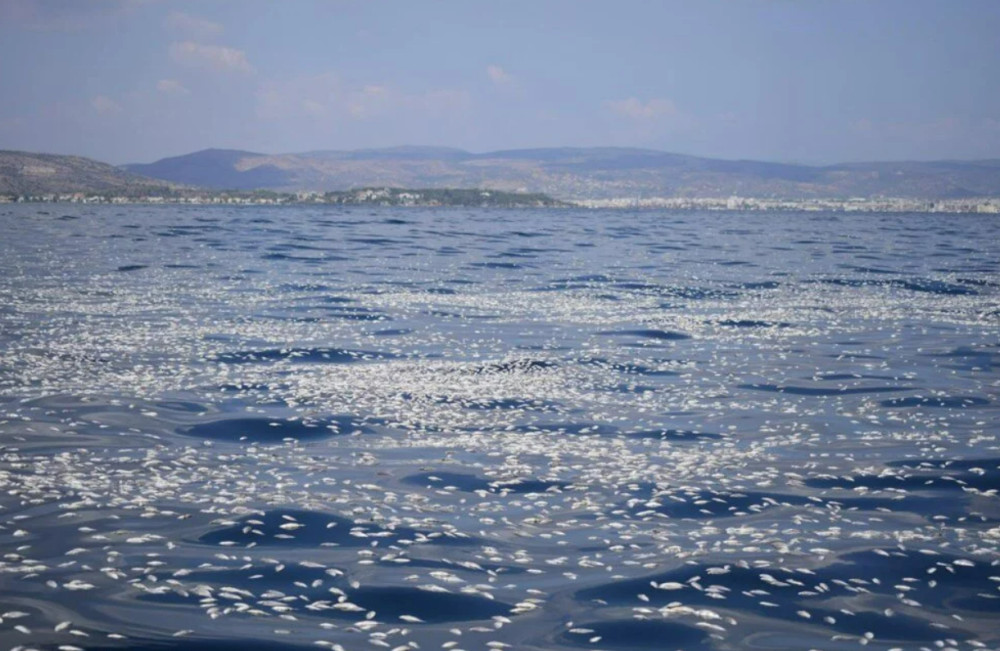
(455,197)
(360,197)
(859,204)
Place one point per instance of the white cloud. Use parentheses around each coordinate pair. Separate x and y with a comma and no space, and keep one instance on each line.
(300,96)
(326,96)
(105,105)
(368,101)
(214,57)
(171,87)
(194,25)
(635,109)
(499,76)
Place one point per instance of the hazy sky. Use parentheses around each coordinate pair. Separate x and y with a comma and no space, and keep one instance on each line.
(804,80)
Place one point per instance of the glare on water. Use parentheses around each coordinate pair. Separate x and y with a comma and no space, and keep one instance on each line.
(560,429)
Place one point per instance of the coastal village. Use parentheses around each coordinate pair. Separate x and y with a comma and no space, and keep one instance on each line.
(493,198)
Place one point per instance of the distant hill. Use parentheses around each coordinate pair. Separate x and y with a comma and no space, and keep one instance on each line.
(575,173)
(221,169)
(563,173)
(24,173)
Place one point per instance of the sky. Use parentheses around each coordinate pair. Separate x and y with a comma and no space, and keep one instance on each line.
(813,81)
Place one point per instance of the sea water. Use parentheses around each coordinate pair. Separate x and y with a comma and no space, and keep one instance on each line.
(283,427)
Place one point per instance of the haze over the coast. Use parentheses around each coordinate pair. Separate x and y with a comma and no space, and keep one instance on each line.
(129,81)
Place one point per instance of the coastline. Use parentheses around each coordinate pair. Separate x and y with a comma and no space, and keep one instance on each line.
(392,197)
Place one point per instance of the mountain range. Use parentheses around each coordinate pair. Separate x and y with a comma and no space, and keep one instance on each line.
(563,173)
(575,173)
(26,173)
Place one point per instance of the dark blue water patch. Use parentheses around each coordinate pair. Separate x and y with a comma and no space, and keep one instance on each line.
(132,267)
(179,231)
(936,402)
(898,627)
(245,387)
(487,404)
(295,315)
(313,584)
(978,282)
(287,256)
(312,529)
(182,406)
(648,333)
(472,483)
(338,300)
(628,387)
(587,278)
(822,391)
(460,316)
(877,573)
(375,241)
(496,265)
(391,603)
(355,313)
(969,358)
(935,287)
(393,332)
(629,634)
(869,270)
(981,603)
(672,435)
(854,356)
(706,503)
(576,429)
(272,430)
(627,367)
(638,286)
(257,579)
(287,527)
(585,281)
(954,575)
(920,475)
(923,285)
(835,377)
(944,464)
(190,643)
(697,293)
(438,480)
(296,247)
(699,504)
(524,365)
(302,356)
(441,291)
(307,287)
(765,284)
(752,323)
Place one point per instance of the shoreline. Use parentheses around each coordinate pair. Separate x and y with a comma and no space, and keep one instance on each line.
(502,200)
